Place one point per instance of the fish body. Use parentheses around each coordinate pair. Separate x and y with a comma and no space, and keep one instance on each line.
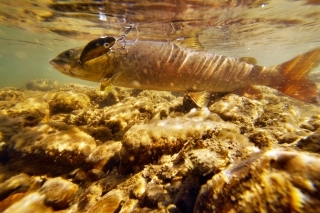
(169,66)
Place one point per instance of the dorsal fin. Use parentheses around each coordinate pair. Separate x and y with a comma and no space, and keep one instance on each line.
(249,60)
(96,48)
(200,98)
(192,43)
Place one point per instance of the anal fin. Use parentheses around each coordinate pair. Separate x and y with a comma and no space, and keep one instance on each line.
(200,98)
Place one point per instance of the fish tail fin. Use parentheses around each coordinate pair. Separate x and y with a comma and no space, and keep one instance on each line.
(294,73)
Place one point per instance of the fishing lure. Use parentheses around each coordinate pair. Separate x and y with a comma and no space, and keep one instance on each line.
(100,46)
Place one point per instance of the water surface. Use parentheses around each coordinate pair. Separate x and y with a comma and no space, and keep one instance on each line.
(33,32)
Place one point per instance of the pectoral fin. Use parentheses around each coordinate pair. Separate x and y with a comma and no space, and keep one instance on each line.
(200,98)
(106,84)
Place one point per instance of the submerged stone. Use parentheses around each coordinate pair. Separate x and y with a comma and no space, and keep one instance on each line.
(63,149)
(258,183)
(31,203)
(58,192)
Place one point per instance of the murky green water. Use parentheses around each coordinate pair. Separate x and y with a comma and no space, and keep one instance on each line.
(33,32)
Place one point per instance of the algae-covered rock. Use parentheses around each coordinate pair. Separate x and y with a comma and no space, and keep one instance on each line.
(11,94)
(64,102)
(310,143)
(33,111)
(58,192)
(262,138)
(108,203)
(258,183)
(9,126)
(104,153)
(31,203)
(148,151)
(16,184)
(42,85)
(147,142)
(44,143)
(240,110)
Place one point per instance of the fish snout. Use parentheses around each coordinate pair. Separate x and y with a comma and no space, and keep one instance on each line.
(51,62)
(60,65)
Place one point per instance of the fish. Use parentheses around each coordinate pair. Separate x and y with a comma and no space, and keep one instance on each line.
(185,66)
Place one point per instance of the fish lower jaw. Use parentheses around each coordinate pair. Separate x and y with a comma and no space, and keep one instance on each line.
(61,67)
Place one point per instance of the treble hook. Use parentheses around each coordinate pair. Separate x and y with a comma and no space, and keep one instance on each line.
(126,32)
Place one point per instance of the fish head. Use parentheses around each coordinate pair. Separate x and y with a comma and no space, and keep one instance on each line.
(95,63)
(67,61)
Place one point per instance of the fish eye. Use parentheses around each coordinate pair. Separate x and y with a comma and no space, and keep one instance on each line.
(68,53)
(106,45)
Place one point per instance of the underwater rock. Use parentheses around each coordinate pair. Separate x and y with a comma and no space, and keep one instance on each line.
(9,127)
(207,161)
(262,138)
(11,94)
(315,121)
(104,153)
(102,99)
(99,98)
(118,118)
(76,88)
(33,111)
(145,143)
(42,85)
(65,102)
(11,199)
(31,203)
(258,183)
(310,143)
(16,184)
(95,174)
(127,113)
(280,115)
(149,151)
(86,117)
(111,202)
(58,192)
(90,197)
(63,148)
(239,110)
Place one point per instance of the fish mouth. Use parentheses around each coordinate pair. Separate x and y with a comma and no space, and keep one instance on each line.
(61,66)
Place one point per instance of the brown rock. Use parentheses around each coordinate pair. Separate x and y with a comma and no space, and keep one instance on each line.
(109,203)
(147,142)
(16,184)
(31,203)
(104,153)
(32,111)
(274,181)
(240,110)
(64,102)
(61,149)
(59,193)
(310,143)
